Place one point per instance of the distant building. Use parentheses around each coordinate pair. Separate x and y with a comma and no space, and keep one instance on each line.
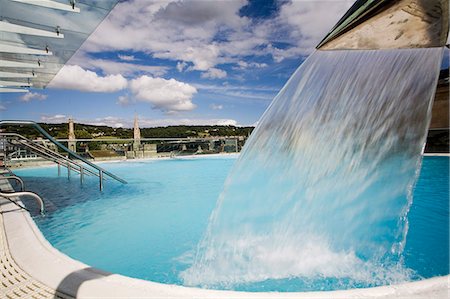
(231,145)
(203,134)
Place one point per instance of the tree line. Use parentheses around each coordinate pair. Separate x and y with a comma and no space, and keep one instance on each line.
(84,131)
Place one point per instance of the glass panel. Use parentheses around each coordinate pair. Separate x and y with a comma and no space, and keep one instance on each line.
(76,28)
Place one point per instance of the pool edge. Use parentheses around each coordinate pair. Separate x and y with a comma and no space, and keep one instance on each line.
(35,255)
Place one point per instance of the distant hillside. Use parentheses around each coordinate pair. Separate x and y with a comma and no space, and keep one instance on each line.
(60,131)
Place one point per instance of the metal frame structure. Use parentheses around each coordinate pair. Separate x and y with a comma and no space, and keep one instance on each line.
(16,178)
(11,195)
(42,151)
(40,36)
(85,167)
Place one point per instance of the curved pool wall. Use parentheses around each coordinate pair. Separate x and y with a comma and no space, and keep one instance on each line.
(37,257)
(161,214)
(33,254)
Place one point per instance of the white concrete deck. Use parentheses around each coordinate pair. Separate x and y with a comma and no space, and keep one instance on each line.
(32,268)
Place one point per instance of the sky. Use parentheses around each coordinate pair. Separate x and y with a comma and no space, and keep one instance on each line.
(181,62)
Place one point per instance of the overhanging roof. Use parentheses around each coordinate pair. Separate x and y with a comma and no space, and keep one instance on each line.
(390,24)
(37,37)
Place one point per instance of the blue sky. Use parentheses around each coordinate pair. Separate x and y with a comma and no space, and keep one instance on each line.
(181,62)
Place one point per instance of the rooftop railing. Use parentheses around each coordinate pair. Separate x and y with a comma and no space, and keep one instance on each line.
(80,165)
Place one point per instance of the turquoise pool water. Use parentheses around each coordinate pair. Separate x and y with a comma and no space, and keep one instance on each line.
(150,228)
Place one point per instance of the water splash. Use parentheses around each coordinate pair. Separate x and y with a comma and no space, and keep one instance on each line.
(321,188)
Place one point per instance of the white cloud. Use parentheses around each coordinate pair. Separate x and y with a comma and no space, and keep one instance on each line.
(240,91)
(110,67)
(33,96)
(181,66)
(214,73)
(180,31)
(244,65)
(225,86)
(126,57)
(227,122)
(313,19)
(187,122)
(110,121)
(166,95)
(123,100)
(187,31)
(2,107)
(58,118)
(126,69)
(75,77)
(216,106)
(280,54)
(307,23)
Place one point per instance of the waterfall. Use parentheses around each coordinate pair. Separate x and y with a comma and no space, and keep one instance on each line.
(323,186)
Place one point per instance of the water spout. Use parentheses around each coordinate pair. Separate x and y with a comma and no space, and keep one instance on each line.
(322,188)
(323,185)
(390,24)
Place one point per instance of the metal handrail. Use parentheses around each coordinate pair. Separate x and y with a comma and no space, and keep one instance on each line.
(9,195)
(52,155)
(14,177)
(55,157)
(43,148)
(70,153)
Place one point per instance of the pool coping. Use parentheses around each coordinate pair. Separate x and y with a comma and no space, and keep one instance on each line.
(218,155)
(35,255)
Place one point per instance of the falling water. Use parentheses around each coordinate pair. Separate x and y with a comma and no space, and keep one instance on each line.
(322,188)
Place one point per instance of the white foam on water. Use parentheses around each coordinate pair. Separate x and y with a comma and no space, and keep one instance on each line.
(323,185)
(249,260)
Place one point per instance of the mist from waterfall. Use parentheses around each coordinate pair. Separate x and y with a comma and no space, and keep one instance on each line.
(323,186)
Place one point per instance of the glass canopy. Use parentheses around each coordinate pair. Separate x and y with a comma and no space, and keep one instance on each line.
(37,37)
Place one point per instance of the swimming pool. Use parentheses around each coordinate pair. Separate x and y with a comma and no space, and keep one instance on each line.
(149,228)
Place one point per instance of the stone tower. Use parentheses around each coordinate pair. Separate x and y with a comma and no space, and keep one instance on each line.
(136,135)
(72,144)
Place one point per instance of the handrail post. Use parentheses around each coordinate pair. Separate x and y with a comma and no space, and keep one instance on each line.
(81,174)
(68,171)
(59,169)
(100,175)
